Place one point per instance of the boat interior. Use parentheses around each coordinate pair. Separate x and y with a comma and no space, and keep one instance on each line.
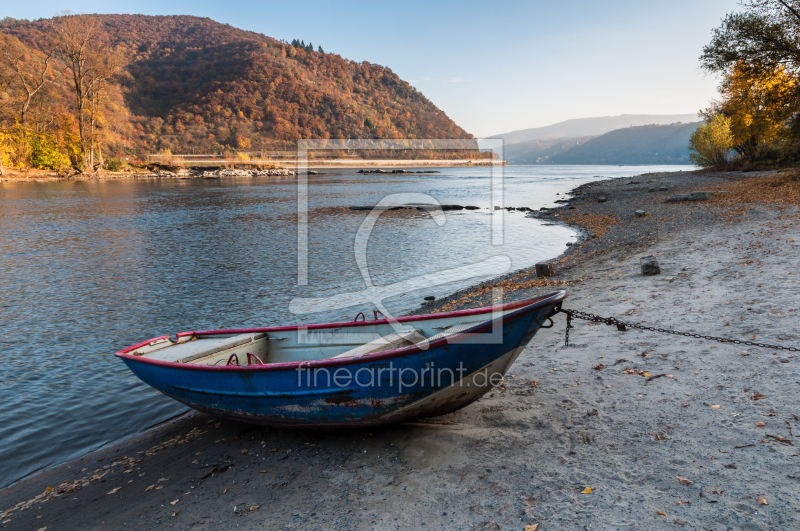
(307,344)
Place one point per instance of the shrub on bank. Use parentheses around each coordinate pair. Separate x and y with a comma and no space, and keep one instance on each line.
(711,143)
(46,155)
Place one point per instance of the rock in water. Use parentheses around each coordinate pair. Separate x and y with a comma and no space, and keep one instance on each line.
(650,266)
(691,196)
(544,269)
(430,298)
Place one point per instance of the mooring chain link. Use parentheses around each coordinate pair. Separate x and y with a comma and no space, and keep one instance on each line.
(622,326)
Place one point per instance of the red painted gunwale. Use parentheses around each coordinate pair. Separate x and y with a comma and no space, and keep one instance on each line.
(528,305)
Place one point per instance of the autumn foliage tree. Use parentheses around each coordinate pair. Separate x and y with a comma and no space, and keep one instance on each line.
(760,104)
(757,55)
(85,49)
(711,143)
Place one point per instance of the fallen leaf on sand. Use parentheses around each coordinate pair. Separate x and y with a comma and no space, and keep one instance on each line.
(42,528)
(779,439)
(599,367)
(732,465)
(174,502)
(757,396)
(112,491)
(254,507)
(659,437)
(662,514)
(533,527)
(715,407)
(151,487)
(244,452)
(531,501)
(263,472)
(685,404)
(760,424)
(159,487)
(175,513)
(762,501)
(224,491)
(274,450)
(684,481)
(646,374)
(587,490)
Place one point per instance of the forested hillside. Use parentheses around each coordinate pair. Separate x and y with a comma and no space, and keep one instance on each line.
(646,144)
(594,126)
(540,151)
(193,85)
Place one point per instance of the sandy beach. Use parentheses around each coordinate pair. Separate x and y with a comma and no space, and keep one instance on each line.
(618,430)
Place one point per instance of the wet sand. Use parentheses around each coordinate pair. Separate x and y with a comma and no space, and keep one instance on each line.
(656,452)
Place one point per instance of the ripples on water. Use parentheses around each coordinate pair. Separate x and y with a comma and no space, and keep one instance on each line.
(88,267)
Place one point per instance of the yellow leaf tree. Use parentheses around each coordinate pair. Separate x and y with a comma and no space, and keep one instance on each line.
(759,105)
(711,143)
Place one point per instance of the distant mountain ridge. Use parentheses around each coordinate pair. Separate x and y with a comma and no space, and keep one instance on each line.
(582,127)
(645,144)
(541,151)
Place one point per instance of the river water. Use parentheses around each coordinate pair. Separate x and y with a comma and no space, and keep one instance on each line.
(88,267)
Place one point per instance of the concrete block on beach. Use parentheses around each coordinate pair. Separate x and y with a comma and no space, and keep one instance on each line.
(650,266)
(545,269)
(691,196)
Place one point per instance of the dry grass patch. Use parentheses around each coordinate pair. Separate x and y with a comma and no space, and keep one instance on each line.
(596,223)
(782,188)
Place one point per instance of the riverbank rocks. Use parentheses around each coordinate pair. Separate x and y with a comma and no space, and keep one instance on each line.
(545,269)
(416,206)
(649,266)
(691,196)
(396,171)
(248,173)
(602,199)
(430,298)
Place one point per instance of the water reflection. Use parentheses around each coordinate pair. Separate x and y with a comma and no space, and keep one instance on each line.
(91,266)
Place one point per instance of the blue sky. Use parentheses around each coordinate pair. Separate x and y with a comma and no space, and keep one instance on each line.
(493,67)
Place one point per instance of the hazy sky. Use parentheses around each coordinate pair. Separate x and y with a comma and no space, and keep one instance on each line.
(496,66)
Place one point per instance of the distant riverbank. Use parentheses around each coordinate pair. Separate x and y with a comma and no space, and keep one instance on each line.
(33,175)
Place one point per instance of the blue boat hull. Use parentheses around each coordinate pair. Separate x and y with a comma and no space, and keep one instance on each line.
(357,392)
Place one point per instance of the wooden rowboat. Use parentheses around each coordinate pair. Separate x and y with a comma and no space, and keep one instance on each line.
(360,373)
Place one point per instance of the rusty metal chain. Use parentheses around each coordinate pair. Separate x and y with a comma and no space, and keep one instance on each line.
(623,326)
